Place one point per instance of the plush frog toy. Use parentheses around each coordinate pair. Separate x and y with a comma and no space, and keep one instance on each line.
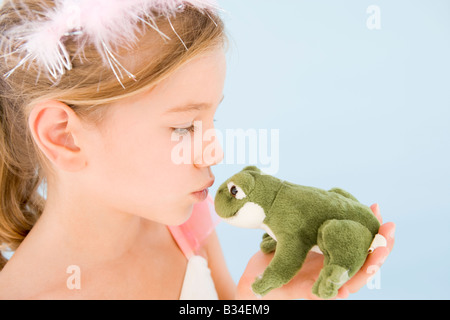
(298,219)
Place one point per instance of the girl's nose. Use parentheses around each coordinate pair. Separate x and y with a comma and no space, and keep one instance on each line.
(211,150)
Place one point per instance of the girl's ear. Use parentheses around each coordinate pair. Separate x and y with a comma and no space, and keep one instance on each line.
(54,127)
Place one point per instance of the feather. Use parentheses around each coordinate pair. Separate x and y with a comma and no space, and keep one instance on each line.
(106,24)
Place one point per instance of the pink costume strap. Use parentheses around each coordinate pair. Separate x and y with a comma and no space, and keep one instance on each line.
(190,236)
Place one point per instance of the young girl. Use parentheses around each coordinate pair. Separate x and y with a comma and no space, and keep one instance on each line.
(95,98)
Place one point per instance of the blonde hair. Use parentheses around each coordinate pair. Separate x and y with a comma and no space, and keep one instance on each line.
(88,88)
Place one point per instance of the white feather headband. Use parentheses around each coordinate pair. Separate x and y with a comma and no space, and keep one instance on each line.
(104,23)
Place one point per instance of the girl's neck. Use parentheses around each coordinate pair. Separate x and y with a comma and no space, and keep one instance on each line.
(87,232)
(92,230)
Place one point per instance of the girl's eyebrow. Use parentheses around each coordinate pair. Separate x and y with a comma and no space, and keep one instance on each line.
(191,107)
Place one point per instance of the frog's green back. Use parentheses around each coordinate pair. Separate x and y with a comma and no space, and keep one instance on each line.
(307,208)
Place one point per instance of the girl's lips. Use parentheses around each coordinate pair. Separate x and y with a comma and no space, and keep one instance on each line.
(200,195)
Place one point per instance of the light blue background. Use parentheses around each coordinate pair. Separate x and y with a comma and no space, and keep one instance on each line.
(365,110)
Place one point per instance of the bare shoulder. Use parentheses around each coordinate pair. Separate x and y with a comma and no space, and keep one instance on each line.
(18,284)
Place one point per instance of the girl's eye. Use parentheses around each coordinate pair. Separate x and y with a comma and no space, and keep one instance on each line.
(184,131)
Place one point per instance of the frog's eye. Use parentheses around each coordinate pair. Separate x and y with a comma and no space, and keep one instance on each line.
(236,191)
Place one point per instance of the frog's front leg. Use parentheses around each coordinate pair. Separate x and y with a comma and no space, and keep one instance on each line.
(268,244)
(287,261)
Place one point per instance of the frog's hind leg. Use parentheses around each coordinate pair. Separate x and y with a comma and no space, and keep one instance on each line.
(344,244)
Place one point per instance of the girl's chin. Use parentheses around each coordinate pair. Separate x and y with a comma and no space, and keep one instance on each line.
(181,217)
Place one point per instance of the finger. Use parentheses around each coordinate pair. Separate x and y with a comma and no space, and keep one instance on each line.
(376,211)
(376,258)
(379,255)
(387,230)
(343,293)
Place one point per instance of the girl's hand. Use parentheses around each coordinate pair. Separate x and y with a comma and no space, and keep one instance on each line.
(300,286)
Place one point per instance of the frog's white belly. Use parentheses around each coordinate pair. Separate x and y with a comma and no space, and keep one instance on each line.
(252,216)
